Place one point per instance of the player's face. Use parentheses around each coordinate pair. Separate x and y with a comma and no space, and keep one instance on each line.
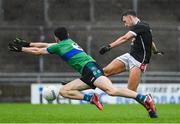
(127,20)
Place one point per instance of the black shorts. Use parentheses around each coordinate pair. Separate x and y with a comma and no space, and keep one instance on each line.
(90,73)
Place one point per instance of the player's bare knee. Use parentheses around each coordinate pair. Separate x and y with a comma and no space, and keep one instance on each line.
(63,92)
(111,92)
(107,72)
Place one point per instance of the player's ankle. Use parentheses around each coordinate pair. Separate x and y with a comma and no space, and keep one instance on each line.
(140,98)
(87,97)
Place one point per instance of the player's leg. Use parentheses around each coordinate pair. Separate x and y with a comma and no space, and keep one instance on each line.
(94,76)
(72,89)
(105,84)
(134,78)
(133,82)
(115,67)
(135,73)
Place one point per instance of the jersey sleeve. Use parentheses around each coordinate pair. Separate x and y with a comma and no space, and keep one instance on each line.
(52,49)
(137,29)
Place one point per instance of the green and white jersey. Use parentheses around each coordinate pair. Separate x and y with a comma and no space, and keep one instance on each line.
(72,53)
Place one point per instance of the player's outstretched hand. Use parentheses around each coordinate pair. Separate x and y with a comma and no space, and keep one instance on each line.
(104,49)
(21,42)
(160,53)
(14,47)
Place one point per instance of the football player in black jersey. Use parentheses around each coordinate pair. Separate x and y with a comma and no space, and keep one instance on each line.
(139,56)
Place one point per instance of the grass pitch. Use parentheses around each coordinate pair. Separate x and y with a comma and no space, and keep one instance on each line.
(64,113)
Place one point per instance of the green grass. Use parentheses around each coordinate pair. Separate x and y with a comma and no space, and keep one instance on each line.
(27,113)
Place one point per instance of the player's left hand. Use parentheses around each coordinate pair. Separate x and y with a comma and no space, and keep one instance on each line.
(14,47)
(160,53)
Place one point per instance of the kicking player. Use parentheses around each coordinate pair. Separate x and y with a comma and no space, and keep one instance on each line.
(140,53)
(91,74)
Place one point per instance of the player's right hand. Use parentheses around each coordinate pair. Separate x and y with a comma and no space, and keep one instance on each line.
(14,47)
(104,49)
(21,42)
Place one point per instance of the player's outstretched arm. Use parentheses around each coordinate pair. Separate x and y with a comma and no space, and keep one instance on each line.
(35,50)
(40,44)
(24,43)
(30,50)
(116,43)
(122,39)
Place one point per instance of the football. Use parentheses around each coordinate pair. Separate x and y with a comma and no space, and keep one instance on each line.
(50,93)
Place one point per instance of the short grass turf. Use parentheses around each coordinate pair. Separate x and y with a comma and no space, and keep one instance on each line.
(85,113)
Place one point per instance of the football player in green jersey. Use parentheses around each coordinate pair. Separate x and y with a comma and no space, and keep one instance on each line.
(91,73)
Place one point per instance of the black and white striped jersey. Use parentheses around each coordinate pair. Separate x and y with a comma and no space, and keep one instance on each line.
(142,42)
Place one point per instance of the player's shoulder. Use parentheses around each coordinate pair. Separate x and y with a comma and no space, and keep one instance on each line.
(51,44)
(67,41)
(143,24)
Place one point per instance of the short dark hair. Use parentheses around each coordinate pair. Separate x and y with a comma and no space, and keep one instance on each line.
(129,12)
(61,33)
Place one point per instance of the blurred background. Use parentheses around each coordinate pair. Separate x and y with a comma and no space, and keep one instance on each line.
(92,23)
